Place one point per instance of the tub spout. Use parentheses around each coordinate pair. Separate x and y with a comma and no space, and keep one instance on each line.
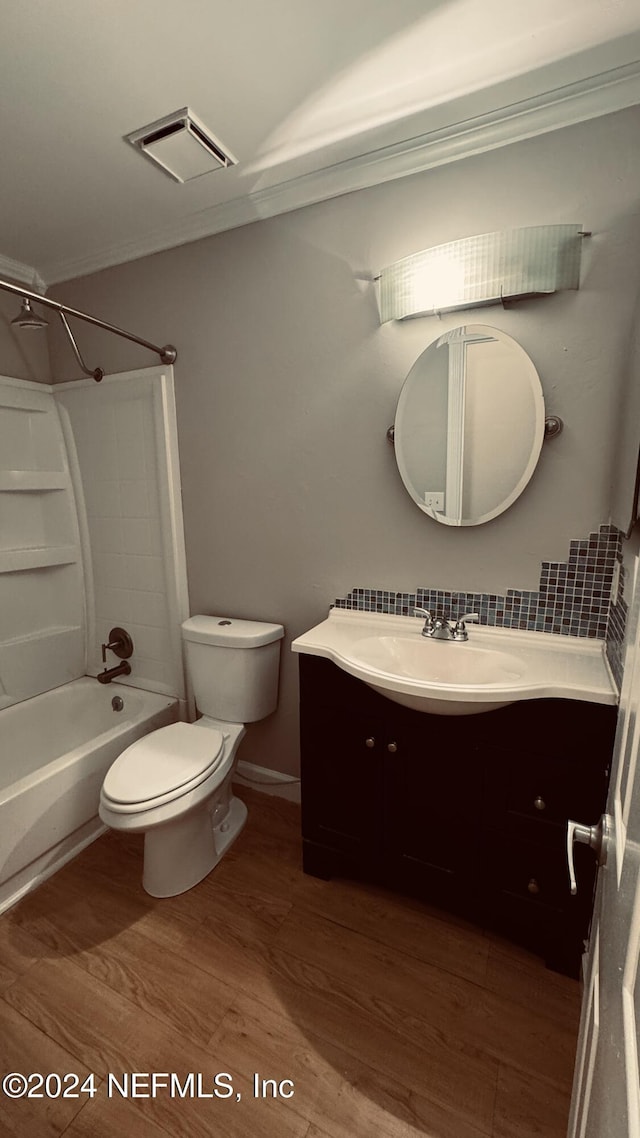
(110,674)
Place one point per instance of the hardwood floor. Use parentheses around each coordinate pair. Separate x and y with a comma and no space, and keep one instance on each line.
(389,1019)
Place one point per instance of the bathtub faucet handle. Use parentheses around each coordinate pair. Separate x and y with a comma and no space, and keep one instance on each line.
(119,642)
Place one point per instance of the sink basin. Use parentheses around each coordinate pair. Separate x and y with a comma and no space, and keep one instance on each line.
(457,666)
(437,661)
(494,667)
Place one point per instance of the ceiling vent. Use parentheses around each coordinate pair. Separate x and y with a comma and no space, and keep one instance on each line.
(182,146)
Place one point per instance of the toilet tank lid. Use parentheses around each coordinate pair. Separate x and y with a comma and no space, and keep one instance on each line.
(229,631)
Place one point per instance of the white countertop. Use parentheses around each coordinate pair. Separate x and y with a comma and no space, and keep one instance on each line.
(549,665)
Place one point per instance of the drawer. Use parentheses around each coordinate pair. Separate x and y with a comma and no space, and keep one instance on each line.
(541,790)
(538,875)
(511,790)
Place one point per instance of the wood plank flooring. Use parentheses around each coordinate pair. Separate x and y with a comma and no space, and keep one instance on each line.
(388,1018)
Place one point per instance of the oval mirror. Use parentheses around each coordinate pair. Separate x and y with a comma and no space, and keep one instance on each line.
(469,425)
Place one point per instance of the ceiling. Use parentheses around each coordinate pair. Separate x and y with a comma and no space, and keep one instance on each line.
(313,98)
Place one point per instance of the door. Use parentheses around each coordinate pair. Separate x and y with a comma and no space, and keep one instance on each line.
(606,1091)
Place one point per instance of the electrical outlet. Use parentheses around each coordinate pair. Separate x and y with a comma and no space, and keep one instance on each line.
(434,499)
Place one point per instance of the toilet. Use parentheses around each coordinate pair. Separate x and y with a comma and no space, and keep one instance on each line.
(174,785)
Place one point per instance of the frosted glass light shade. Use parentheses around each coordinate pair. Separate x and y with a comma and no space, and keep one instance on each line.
(481,270)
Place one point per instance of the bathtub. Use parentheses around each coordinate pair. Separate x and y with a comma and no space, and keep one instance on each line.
(55,750)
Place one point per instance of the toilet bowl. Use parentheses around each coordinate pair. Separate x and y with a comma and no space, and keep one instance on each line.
(174,785)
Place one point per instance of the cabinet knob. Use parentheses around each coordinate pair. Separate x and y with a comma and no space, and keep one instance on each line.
(533,886)
(393,747)
(539,803)
(370,742)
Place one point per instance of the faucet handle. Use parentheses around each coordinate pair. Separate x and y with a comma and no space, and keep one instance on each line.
(426,614)
(120,643)
(468,616)
(459,630)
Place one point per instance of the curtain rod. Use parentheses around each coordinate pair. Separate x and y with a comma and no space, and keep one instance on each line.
(168,353)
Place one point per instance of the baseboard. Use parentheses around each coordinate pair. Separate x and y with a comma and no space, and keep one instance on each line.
(267,781)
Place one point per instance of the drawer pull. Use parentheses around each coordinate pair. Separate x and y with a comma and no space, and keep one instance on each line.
(533,886)
(393,747)
(370,742)
(539,803)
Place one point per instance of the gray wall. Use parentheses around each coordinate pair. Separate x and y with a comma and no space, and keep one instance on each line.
(286,384)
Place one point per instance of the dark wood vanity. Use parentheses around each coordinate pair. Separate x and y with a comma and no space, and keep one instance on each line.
(467,813)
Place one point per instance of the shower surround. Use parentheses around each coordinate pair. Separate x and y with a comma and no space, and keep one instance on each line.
(90,537)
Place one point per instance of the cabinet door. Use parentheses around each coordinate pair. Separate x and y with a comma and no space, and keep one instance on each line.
(341,780)
(432,816)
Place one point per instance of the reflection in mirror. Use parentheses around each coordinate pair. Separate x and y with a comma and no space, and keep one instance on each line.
(469,425)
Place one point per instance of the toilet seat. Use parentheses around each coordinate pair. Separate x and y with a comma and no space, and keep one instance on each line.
(162,766)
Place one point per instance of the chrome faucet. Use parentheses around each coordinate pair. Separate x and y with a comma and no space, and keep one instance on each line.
(438,628)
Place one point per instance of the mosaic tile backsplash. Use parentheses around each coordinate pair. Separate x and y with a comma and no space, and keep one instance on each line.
(616,630)
(574,597)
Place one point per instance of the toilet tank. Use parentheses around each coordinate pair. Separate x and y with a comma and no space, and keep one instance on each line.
(234,666)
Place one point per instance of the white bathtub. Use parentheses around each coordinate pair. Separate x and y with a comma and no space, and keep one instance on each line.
(55,750)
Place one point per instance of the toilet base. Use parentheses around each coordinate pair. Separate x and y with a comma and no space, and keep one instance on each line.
(179,855)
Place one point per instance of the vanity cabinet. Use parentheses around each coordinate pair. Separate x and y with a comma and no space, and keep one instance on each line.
(466,812)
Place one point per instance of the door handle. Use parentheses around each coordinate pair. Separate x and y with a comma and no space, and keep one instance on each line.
(593,836)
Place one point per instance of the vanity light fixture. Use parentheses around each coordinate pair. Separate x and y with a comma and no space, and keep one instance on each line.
(491,268)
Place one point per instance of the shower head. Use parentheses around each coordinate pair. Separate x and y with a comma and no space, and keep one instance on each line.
(30,319)
(27,318)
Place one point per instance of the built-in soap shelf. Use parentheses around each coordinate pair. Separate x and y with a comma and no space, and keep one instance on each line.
(35,556)
(33,480)
(40,557)
(42,633)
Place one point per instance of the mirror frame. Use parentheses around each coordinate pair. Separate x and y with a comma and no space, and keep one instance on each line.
(530,372)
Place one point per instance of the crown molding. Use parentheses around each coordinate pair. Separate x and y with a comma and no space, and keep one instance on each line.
(574,103)
(22,274)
